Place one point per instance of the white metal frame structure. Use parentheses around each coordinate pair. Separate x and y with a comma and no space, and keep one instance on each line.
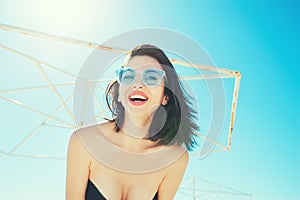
(223,73)
(191,186)
(198,188)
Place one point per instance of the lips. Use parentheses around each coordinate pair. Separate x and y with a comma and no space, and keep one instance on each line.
(137,98)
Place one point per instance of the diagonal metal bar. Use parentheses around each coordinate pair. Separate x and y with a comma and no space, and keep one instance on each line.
(59,70)
(24,31)
(33,110)
(26,138)
(32,156)
(57,125)
(206,76)
(205,152)
(36,60)
(213,189)
(55,91)
(30,135)
(105,48)
(233,109)
(204,67)
(35,87)
(210,140)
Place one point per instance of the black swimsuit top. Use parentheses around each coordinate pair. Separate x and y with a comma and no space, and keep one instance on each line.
(92,193)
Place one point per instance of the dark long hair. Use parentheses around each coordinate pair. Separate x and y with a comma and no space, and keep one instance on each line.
(174,123)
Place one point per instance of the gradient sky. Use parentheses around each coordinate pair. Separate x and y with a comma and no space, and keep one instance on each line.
(259,39)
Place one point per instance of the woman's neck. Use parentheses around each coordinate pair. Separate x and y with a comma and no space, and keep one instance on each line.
(136,125)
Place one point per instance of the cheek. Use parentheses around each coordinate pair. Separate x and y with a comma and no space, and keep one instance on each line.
(122,94)
(158,94)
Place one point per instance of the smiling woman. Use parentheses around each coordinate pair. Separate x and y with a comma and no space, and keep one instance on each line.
(142,152)
(141,95)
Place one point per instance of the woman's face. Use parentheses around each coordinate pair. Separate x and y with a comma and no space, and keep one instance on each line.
(139,98)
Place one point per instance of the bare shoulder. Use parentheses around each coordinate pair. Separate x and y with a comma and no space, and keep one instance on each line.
(75,145)
(178,158)
(182,158)
(79,138)
(74,139)
(171,181)
(86,138)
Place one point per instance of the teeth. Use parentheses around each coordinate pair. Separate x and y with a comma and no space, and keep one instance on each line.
(138,97)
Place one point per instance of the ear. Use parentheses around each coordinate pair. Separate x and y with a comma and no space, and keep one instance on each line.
(165,100)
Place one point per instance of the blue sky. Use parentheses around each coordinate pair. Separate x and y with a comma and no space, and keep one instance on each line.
(259,39)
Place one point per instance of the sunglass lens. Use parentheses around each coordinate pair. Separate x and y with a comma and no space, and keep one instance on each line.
(152,77)
(126,76)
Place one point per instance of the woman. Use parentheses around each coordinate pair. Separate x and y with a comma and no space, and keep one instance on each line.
(141,152)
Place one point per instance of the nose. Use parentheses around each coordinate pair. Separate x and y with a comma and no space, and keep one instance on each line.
(138,83)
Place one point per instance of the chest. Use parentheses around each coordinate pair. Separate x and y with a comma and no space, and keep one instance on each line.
(114,184)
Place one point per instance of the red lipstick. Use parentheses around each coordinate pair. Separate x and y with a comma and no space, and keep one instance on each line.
(137,98)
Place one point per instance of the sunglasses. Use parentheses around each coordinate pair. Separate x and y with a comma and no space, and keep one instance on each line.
(150,77)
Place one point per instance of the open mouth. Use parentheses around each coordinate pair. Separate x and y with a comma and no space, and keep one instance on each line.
(138,98)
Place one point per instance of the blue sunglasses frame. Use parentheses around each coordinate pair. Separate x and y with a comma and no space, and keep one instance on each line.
(147,79)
